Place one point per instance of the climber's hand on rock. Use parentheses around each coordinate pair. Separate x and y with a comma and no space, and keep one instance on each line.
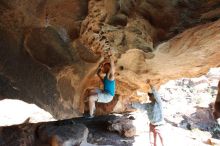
(148,81)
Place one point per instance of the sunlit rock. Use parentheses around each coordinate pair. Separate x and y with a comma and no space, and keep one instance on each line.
(49,50)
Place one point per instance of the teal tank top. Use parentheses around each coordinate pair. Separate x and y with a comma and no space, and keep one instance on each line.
(109,86)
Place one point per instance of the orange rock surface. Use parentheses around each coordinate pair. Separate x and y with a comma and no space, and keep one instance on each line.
(49,50)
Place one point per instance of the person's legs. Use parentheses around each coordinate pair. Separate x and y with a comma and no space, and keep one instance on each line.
(161,139)
(159,132)
(89,92)
(104,97)
(94,91)
(155,138)
(151,138)
(98,96)
(152,135)
(92,100)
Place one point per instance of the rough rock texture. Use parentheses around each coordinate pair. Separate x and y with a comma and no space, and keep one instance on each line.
(44,134)
(217,105)
(197,94)
(65,133)
(123,126)
(49,50)
(35,49)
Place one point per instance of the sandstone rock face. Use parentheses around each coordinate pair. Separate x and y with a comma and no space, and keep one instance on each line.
(217,105)
(123,126)
(76,131)
(49,50)
(44,134)
(35,48)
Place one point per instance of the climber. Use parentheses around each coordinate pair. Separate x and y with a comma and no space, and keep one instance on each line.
(155,116)
(106,94)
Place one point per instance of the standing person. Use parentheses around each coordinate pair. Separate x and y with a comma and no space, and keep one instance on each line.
(155,115)
(106,94)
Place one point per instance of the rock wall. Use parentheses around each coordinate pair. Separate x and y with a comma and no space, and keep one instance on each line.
(49,50)
(36,47)
(217,105)
(110,129)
